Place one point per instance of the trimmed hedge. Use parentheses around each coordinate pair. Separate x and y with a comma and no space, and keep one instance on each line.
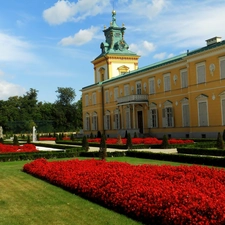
(200,151)
(191,159)
(32,156)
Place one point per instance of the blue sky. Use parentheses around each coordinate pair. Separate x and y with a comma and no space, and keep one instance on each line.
(49,44)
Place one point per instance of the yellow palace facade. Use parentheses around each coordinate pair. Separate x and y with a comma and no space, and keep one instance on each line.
(183,96)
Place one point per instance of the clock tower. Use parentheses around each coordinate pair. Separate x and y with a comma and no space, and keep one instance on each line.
(115,58)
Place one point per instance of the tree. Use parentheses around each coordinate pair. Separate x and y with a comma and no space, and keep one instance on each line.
(66,96)
(224,135)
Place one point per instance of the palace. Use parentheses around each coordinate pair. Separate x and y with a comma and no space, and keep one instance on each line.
(183,97)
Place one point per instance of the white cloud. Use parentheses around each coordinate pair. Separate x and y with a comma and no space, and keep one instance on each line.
(14,49)
(65,11)
(80,38)
(160,56)
(9,89)
(143,48)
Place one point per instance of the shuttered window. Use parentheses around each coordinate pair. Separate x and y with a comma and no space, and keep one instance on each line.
(107,122)
(138,88)
(153,118)
(126,90)
(203,114)
(152,86)
(222,68)
(116,94)
(200,73)
(128,119)
(223,112)
(185,115)
(168,120)
(107,96)
(166,80)
(184,79)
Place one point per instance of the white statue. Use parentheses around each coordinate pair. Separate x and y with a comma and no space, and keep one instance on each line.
(34,134)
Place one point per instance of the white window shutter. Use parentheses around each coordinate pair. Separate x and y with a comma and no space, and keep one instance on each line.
(156,114)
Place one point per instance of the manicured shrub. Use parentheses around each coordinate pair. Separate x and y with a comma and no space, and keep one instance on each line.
(103,148)
(28,139)
(224,135)
(85,144)
(129,142)
(135,134)
(15,140)
(219,141)
(165,143)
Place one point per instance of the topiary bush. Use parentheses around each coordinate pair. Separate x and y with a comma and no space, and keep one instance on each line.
(219,141)
(103,148)
(129,142)
(85,144)
(165,143)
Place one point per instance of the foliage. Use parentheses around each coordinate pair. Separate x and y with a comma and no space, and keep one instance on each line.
(91,135)
(129,142)
(224,135)
(85,144)
(135,134)
(15,140)
(165,143)
(28,139)
(219,141)
(103,148)
(188,195)
(99,135)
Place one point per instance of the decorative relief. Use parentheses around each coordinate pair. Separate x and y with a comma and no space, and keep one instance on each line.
(175,78)
(212,68)
(159,83)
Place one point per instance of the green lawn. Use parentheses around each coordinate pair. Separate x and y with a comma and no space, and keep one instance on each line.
(27,200)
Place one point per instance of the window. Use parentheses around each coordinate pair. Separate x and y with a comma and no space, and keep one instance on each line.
(200,73)
(126,90)
(152,116)
(94,98)
(167,113)
(116,119)
(184,78)
(87,122)
(185,112)
(127,113)
(222,96)
(152,86)
(95,121)
(116,93)
(107,120)
(166,79)
(222,68)
(185,115)
(202,110)
(138,88)
(86,100)
(107,96)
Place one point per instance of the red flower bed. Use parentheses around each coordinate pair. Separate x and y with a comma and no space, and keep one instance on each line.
(146,141)
(153,194)
(47,138)
(15,148)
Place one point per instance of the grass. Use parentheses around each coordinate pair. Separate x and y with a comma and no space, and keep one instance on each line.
(27,200)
